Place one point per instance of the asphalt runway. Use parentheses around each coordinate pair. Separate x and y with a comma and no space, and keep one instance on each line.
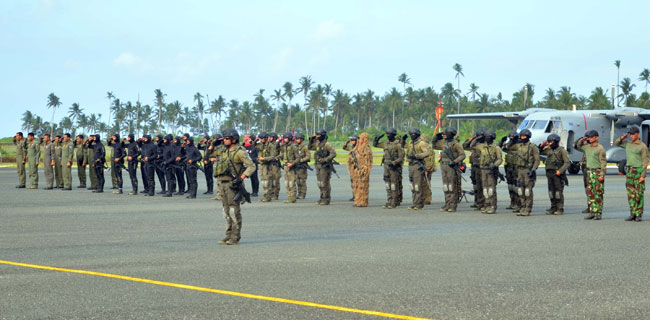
(428,264)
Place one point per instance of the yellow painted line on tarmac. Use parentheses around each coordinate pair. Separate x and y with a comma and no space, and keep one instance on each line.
(224,292)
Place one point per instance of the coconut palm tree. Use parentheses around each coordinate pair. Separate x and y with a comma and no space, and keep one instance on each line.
(626,87)
(110,97)
(473,90)
(617,63)
(289,93)
(199,109)
(278,95)
(645,76)
(74,112)
(218,106)
(27,118)
(459,73)
(305,87)
(160,103)
(53,102)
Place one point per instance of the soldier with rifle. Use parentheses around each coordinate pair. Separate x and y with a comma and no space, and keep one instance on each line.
(133,152)
(490,159)
(291,158)
(148,154)
(179,171)
(304,156)
(393,160)
(475,170)
(268,157)
(451,158)
(276,166)
(90,155)
(349,145)
(324,162)
(191,162)
(99,158)
(215,150)
(249,144)
(509,166)
(169,157)
(416,151)
(557,162)
(117,161)
(159,162)
(526,161)
(233,166)
(203,145)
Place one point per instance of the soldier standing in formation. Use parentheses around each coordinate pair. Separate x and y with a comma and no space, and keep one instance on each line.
(48,161)
(80,155)
(526,161)
(99,158)
(133,152)
(193,158)
(251,148)
(33,156)
(148,153)
(67,156)
(233,167)
(276,167)
(291,158)
(204,144)
(349,146)
(557,162)
(637,163)
(416,151)
(451,156)
(57,161)
(179,172)
(168,160)
(323,157)
(301,171)
(159,161)
(596,163)
(510,166)
(21,158)
(90,155)
(393,160)
(360,160)
(490,159)
(268,157)
(475,170)
(117,162)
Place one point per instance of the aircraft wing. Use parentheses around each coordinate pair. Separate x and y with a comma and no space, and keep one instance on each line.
(512,116)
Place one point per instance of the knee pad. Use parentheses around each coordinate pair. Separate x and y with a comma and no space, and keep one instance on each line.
(393,187)
(226,213)
(527,192)
(550,195)
(416,187)
(520,191)
(451,187)
(558,195)
(445,188)
(387,186)
(490,192)
(485,193)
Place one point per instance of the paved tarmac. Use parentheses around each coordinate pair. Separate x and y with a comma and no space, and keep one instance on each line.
(462,265)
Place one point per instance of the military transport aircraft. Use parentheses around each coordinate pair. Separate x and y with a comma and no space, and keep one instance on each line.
(572,125)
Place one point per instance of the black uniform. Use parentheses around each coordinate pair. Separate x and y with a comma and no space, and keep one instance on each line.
(169,159)
(179,151)
(160,164)
(134,153)
(148,152)
(207,165)
(99,159)
(192,153)
(118,152)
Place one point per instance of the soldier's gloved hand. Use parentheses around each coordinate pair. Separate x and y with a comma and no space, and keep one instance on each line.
(322,161)
(451,163)
(439,135)
(411,157)
(531,173)
(491,167)
(237,180)
(504,139)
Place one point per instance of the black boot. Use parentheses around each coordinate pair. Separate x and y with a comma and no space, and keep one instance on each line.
(631,218)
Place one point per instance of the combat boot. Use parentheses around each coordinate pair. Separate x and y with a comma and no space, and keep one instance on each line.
(133,193)
(232,242)
(162,192)
(324,203)
(638,219)
(491,210)
(631,218)
(167,195)
(558,212)
(525,213)
(589,217)
(451,210)
(224,240)
(598,217)
(265,200)
(585,210)
(388,206)
(550,211)
(290,200)
(444,208)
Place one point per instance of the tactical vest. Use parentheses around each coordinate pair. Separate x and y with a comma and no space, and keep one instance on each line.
(289,153)
(487,155)
(523,154)
(321,151)
(554,159)
(222,163)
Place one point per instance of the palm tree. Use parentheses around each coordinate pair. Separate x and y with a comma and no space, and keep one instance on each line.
(459,72)
(473,90)
(327,93)
(160,103)
(617,63)
(218,106)
(75,111)
(305,87)
(110,97)
(53,102)
(27,118)
(289,93)
(395,99)
(626,87)
(199,109)
(278,96)
(404,79)
(645,76)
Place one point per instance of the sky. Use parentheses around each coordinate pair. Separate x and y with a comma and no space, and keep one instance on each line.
(81,49)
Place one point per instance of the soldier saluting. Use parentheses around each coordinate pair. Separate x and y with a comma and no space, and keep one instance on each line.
(393,161)
(417,150)
(451,157)
(557,162)
(596,165)
(526,161)
(636,153)
(490,159)
(323,158)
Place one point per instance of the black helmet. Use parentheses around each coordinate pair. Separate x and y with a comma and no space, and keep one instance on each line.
(273,135)
(633,130)
(479,132)
(391,131)
(321,132)
(354,137)
(450,132)
(414,133)
(263,135)
(553,138)
(288,135)
(218,136)
(299,135)
(513,133)
(490,134)
(231,134)
(525,132)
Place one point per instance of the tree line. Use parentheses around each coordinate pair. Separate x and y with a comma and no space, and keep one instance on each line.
(308,106)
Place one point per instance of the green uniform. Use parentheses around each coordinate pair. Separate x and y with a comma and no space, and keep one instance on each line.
(90,155)
(82,160)
(57,164)
(475,174)
(451,155)
(270,152)
(526,161)
(113,174)
(393,160)
(276,171)
(301,171)
(416,152)
(48,159)
(67,155)
(323,156)
(556,160)
(637,164)
(490,160)
(511,172)
(33,157)
(21,159)
(291,156)
(232,162)
(596,163)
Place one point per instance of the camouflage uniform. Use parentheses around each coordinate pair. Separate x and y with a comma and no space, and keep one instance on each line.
(556,160)
(349,147)
(301,170)
(232,162)
(271,155)
(416,152)
(323,157)
(526,161)
(511,172)
(490,159)
(291,156)
(451,155)
(475,173)
(596,163)
(276,171)
(33,157)
(637,164)
(21,159)
(392,161)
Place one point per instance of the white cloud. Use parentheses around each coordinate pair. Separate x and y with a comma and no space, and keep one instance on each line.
(126,59)
(328,30)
